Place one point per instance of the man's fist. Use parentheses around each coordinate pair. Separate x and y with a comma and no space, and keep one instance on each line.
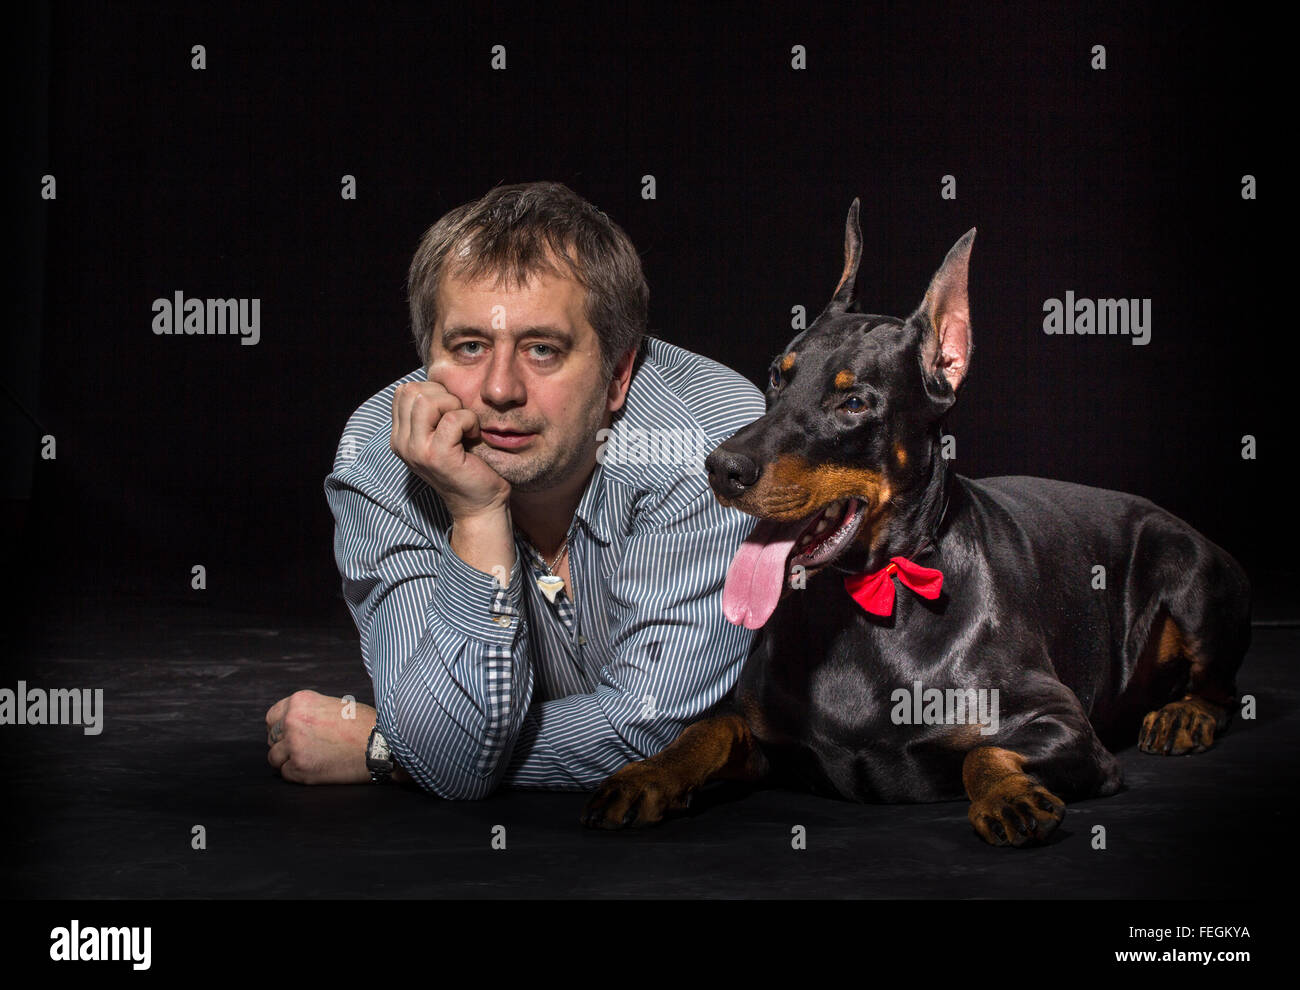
(433,433)
(314,742)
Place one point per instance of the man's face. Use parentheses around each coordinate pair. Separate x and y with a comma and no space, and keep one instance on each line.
(527,363)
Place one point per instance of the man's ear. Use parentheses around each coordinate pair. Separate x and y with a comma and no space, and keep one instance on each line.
(618,385)
(944,316)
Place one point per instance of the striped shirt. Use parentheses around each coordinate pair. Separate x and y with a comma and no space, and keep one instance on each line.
(479,686)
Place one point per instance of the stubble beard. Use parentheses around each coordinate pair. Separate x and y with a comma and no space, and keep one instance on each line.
(535,472)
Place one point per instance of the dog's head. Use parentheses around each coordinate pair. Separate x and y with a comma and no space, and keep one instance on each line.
(851,429)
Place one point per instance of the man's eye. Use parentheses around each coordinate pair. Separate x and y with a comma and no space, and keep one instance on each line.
(547,348)
(853,404)
(469,343)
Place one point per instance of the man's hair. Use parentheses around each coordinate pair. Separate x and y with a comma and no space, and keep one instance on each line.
(517,232)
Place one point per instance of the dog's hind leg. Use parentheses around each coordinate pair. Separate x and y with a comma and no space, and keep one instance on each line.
(1202,635)
(718,748)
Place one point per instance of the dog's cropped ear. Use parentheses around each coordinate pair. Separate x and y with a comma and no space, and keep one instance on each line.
(944,316)
(852,258)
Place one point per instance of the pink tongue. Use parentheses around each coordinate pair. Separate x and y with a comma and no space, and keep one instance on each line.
(757,573)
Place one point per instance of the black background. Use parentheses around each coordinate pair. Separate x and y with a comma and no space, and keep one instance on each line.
(176,451)
(225,182)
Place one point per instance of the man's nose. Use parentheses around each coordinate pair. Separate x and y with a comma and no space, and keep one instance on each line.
(503,386)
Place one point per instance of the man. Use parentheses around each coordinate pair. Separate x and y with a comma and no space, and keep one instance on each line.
(532,613)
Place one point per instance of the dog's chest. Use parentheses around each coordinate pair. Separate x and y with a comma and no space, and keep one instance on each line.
(837,698)
(822,669)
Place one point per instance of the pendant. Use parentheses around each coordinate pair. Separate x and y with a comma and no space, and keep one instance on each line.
(551,586)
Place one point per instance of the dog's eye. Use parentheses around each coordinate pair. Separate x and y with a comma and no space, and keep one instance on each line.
(853,404)
(774,378)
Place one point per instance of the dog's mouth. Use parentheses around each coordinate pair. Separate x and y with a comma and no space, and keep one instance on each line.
(758,571)
(829,532)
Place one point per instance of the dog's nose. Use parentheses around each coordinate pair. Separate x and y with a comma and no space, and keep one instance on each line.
(730,473)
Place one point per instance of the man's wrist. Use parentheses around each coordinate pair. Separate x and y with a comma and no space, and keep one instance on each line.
(486,542)
(379,758)
(482,603)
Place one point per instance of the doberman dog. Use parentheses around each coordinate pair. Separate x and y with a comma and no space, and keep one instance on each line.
(1039,621)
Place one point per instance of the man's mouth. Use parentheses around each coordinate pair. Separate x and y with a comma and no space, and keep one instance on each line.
(758,571)
(506,439)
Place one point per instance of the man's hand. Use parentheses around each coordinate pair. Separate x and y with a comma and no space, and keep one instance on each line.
(312,743)
(432,433)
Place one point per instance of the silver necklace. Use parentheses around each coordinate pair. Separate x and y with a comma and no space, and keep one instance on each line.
(550,583)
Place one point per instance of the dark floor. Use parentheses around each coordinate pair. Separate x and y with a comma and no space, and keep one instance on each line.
(185,691)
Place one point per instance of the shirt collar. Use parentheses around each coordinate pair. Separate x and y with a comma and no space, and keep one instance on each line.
(590,506)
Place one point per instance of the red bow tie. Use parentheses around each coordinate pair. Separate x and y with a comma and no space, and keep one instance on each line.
(875,592)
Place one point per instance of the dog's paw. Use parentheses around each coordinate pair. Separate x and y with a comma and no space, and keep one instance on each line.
(642,793)
(1016,811)
(1186,726)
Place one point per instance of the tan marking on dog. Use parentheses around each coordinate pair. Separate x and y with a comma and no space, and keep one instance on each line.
(1000,791)
(900,455)
(1189,724)
(790,488)
(1167,644)
(1170,644)
(845,379)
(986,766)
(1185,726)
(718,748)
(787,362)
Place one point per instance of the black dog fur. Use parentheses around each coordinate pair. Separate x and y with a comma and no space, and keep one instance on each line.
(854,409)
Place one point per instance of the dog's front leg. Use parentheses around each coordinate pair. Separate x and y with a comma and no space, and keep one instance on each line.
(1014,781)
(717,748)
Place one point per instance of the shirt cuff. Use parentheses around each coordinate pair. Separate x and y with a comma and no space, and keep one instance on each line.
(473,602)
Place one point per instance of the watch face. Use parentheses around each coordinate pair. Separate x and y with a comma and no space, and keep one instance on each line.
(378,749)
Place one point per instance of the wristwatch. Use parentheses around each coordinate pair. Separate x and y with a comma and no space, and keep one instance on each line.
(379,760)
